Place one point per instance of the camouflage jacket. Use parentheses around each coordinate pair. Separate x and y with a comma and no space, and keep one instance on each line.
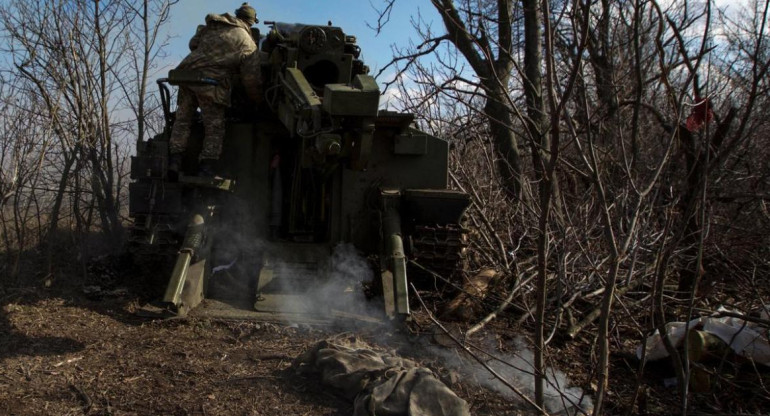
(220,49)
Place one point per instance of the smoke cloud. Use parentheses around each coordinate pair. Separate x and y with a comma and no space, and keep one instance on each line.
(561,398)
(333,290)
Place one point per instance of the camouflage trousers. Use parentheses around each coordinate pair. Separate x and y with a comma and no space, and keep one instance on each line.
(213,115)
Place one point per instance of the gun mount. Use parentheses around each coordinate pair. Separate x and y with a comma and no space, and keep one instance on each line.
(320,90)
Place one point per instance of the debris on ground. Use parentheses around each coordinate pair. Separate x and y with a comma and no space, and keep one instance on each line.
(745,337)
(95,292)
(465,307)
(727,348)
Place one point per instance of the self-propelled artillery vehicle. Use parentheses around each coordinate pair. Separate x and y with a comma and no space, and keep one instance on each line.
(314,165)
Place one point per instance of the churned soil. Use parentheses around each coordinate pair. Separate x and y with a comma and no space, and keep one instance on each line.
(67,357)
(65,353)
(75,346)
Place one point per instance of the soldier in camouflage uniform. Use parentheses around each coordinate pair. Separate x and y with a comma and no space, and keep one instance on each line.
(220,48)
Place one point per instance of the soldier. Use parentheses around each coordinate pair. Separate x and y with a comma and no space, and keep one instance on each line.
(221,47)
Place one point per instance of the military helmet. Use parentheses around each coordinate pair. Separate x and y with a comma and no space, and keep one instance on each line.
(247,13)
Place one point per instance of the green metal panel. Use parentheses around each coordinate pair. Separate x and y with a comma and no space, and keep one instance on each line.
(410,144)
(342,99)
(246,159)
(386,169)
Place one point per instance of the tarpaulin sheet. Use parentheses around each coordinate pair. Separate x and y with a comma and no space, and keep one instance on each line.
(380,383)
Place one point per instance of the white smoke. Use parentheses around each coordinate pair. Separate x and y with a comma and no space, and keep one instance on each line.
(517,369)
(334,292)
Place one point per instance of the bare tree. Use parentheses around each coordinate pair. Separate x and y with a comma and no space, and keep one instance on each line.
(89,67)
(646,118)
(23,145)
(483,34)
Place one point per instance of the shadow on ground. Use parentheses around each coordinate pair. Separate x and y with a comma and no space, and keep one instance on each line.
(15,341)
(109,285)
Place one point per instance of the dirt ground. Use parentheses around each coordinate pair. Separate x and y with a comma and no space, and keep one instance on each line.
(67,351)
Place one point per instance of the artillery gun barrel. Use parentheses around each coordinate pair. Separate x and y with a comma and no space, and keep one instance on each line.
(192,241)
(396,259)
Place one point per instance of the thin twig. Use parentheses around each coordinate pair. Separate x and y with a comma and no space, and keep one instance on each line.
(87,403)
(472,354)
(593,315)
(271,357)
(747,318)
(500,309)
(238,379)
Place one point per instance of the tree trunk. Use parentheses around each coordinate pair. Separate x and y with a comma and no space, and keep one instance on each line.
(53,224)
(506,145)
(533,91)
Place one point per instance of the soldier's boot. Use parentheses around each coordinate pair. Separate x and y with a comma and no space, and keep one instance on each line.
(174,166)
(206,168)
